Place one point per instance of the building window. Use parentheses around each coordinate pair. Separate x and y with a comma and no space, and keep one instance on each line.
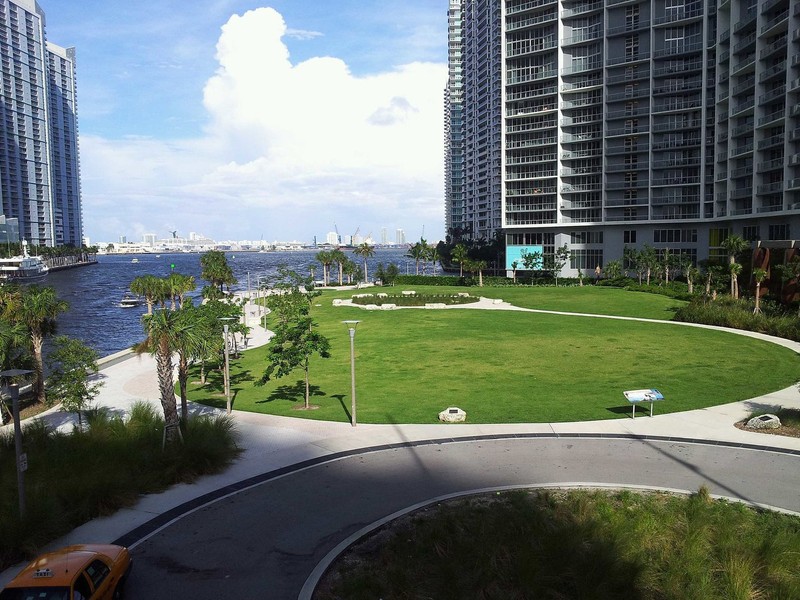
(751,233)
(585,259)
(779,232)
(629,236)
(586,237)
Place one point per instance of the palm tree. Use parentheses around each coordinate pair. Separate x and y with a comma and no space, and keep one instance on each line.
(189,343)
(216,270)
(459,254)
(153,289)
(365,251)
(759,275)
(177,286)
(37,311)
(418,252)
(339,257)
(161,328)
(735,245)
(325,258)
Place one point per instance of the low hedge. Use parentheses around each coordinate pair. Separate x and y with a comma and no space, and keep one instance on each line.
(738,314)
(413,299)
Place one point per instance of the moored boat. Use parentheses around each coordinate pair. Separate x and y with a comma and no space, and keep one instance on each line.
(23,269)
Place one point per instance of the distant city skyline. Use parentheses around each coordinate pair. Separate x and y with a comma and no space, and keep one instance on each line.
(244,120)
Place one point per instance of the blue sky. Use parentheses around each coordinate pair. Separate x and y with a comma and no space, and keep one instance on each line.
(247,120)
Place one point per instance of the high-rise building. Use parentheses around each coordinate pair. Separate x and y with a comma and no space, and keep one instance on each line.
(399,237)
(39,162)
(617,123)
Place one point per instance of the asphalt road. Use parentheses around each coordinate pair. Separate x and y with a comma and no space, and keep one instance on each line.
(263,542)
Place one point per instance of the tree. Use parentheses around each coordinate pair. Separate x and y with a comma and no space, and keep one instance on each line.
(72,364)
(614,269)
(419,253)
(189,342)
(216,270)
(325,258)
(37,311)
(296,339)
(161,330)
(365,251)
(533,261)
(352,270)
(631,258)
(460,254)
(153,289)
(476,266)
(559,260)
(514,267)
(735,245)
(177,286)
(392,271)
(339,257)
(759,275)
(649,258)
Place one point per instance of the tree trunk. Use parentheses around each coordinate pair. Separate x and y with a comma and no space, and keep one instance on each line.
(183,377)
(757,309)
(38,365)
(308,388)
(480,278)
(166,388)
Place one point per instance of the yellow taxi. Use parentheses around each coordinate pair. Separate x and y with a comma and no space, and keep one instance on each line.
(80,572)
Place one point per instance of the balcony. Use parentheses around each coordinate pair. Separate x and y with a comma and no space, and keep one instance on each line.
(679,14)
(628,58)
(748,19)
(774,23)
(582,67)
(775,140)
(583,9)
(744,66)
(628,27)
(744,192)
(771,118)
(623,167)
(774,46)
(683,180)
(639,129)
(529,6)
(771,188)
(770,165)
(674,49)
(585,36)
(774,71)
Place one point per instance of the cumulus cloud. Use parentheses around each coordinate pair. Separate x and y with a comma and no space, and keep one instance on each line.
(307,142)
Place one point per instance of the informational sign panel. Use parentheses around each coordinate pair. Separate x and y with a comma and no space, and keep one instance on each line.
(514,253)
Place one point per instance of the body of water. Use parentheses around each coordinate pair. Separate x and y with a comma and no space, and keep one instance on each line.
(93,292)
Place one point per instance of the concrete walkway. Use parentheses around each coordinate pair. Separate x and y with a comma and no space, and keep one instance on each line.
(273,442)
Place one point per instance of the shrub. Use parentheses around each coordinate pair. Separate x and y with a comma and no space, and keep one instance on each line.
(738,314)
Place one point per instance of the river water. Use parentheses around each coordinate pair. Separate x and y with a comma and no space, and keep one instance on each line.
(93,292)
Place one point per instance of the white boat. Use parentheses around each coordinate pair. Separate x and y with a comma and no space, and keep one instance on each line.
(130,301)
(23,269)
(135,260)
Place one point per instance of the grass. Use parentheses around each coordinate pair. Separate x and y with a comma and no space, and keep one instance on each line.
(508,366)
(580,544)
(75,477)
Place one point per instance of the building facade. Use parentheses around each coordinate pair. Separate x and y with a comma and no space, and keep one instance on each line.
(617,123)
(39,159)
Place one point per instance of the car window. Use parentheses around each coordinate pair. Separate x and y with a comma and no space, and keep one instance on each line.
(97,572)
(82,590)
(37,593)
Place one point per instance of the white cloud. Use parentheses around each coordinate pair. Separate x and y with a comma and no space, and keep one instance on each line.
(294,146)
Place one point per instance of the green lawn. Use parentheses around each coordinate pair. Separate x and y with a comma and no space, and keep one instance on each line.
(504,366)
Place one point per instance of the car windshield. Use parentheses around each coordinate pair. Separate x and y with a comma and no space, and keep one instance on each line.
(35,593)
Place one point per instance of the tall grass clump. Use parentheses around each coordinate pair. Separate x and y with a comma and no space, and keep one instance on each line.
(580,544)
(738,314)
(97,469)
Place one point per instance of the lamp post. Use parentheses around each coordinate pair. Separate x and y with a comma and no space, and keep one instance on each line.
(227,372)
(22,459)
(351,326)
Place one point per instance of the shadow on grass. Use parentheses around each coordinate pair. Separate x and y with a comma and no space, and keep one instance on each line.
(623,410)
(340,398)
(295,392)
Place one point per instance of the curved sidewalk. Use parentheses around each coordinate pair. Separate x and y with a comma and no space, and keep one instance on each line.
(272,442)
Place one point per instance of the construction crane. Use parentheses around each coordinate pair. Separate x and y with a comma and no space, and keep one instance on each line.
(174,233)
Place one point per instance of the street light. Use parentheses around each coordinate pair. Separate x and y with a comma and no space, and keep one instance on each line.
(227,372)
(351,326)
(22,459)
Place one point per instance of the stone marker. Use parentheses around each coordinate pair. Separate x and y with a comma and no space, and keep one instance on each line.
(452,415)
(764,422)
